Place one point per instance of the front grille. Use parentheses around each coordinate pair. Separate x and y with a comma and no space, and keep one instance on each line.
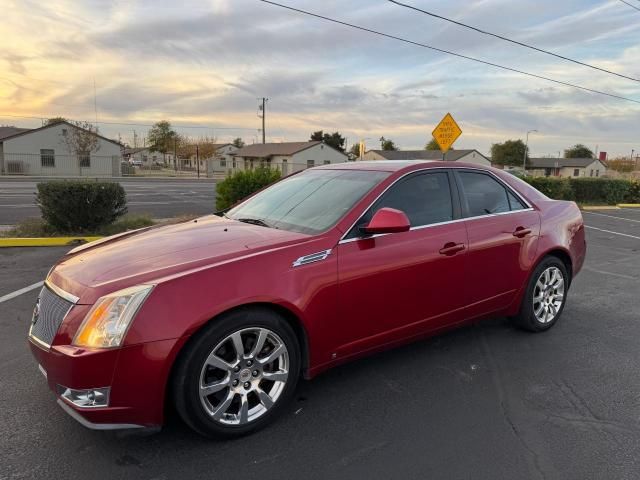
(48,315)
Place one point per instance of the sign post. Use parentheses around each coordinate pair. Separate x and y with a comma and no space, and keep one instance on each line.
(446,133)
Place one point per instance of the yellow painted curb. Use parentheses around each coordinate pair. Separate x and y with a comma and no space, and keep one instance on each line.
(629,205)
(44,241)
(602,207)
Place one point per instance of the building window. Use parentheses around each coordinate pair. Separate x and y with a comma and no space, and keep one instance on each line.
(576,172)
(327,162)
(310,163)
(223,163)
(591,173)
(47,158)
(64,132)
(85,160)
(597,172)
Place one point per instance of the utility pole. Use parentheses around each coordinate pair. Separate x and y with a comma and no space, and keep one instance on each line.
(526,147)
(263,114)
(197,160)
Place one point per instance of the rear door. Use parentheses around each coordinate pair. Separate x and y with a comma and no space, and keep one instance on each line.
(503,233)
(397,285)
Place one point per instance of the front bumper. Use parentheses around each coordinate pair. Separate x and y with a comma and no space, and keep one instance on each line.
(136,375)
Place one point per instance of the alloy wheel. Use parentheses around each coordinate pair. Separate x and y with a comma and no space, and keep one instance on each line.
(548,294)
(244,375)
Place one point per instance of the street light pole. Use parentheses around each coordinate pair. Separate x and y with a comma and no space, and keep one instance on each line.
(526,146)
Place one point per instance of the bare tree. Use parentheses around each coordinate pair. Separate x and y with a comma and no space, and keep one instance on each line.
(81,140)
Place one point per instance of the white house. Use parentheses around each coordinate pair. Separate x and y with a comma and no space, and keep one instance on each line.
(566,167)
(468,156)
(288,156)
(44,151)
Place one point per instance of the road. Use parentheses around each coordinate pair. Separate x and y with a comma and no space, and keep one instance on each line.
(487,401)
(161,198)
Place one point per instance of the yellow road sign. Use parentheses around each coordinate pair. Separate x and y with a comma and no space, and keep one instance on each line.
(446,133)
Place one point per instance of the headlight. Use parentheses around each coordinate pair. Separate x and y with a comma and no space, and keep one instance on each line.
(108,320)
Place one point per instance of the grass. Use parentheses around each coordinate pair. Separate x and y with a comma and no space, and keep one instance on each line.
(36,227)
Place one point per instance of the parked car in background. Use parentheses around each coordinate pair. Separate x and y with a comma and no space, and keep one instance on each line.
(225,313)
(136,162)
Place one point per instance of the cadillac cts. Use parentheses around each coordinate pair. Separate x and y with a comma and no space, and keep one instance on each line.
(220,316)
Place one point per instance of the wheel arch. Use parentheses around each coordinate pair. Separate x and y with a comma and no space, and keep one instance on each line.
(288,315)
(561,255)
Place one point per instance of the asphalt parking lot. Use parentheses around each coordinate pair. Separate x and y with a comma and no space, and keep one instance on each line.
(160,198)
(486,401)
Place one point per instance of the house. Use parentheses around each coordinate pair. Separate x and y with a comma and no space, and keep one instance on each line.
(49,151)
(469,156)
(288,156)
(566,167)
(145,157)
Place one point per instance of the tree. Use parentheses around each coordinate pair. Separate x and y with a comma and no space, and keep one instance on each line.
(355,149)
(387,144)
(81,140)
(53,120)
(161,137)
(578,151)
(238,142)
(334,139)
(509,153)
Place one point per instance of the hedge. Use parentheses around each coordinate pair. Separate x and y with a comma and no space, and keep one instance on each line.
(80,205)
(608,191)
(242,184)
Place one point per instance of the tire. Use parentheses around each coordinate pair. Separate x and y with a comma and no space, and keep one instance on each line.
(545,296)
(240,394)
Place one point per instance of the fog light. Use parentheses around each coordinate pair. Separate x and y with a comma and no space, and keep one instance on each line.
(92,397)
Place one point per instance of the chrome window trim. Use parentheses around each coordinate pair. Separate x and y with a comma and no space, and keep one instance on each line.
(61,293)
(419,227)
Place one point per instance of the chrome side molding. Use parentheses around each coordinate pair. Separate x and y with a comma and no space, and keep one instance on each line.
(311,258)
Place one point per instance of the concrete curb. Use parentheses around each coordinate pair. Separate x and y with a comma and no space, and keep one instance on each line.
(629,205)
(601,207)
(44,241)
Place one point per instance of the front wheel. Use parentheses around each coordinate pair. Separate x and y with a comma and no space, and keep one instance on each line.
(545,297)
(237,374)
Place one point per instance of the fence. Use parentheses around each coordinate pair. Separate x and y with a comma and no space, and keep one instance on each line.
(53,165)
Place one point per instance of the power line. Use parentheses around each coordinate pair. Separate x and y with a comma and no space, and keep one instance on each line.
(516,42)
(210,127)
(632,6)
(448,52)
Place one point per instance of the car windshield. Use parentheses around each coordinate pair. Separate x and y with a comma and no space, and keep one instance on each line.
(309,202)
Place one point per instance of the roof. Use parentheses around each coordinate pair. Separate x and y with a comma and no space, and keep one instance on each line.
(450,156)
(131,151)
(264,150)
(561,162)
(10,131)
(26,131)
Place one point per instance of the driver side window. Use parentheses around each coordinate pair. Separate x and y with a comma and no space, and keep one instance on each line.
(424,197)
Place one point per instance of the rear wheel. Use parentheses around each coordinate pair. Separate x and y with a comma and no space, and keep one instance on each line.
(545,297)
(236,376)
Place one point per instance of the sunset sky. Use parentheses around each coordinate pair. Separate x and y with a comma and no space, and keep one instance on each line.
(198,63)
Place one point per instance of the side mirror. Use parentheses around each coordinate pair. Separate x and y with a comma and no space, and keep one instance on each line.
(387,220)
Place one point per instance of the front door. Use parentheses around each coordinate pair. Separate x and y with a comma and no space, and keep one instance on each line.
(398,285)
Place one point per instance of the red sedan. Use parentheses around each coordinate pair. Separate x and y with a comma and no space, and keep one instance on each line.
(223,314)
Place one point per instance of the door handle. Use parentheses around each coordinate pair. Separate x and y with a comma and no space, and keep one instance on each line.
(451,248)
(521,232)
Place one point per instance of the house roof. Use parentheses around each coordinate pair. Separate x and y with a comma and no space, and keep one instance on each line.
(10,131)
(131,150)
(450,156)
(561,162)
(264,150)
(26,131)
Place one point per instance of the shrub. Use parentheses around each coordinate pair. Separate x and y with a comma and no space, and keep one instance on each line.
(633,195)
(600,190)
(242,184)
(556,188)
(80,205)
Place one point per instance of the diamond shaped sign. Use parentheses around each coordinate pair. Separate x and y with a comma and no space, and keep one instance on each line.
(446,133)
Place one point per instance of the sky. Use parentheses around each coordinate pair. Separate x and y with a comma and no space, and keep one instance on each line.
(206,64)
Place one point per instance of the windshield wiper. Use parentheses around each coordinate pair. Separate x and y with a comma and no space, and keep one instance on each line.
(254,221)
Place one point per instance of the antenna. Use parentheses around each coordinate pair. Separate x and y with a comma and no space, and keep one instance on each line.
(95,102)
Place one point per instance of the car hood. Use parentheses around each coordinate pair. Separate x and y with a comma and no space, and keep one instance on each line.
(144,255)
